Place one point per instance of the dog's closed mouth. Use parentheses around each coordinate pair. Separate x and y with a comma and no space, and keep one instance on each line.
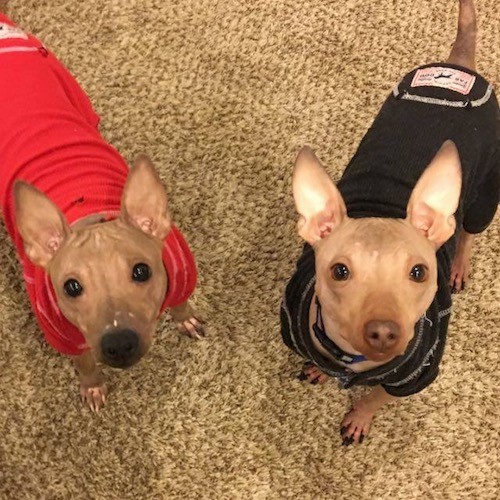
(378,356)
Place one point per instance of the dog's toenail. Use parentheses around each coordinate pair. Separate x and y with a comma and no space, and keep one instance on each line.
(302,376)
(342,430)
(350,440)
(361,438)
(347,441)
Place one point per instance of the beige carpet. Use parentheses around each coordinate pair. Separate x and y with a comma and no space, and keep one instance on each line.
(221,93)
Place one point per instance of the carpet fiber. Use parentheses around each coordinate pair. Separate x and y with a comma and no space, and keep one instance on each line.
(221,93)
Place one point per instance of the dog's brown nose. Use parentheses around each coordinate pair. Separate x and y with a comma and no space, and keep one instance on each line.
(382,335)
(120,348)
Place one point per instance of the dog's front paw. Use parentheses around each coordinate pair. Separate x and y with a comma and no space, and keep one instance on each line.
(356,425)
(94,396)
(192,327)
(313,374)
(459,275)
(188,321)
(460,269)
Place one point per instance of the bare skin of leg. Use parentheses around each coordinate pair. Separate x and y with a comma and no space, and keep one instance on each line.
(187,321)
(461,263)
(463,51)
(92,387)
(356,423)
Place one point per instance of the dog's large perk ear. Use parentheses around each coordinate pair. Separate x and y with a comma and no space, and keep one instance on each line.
(317,199)
(41,224)
(144,200)
(436,195)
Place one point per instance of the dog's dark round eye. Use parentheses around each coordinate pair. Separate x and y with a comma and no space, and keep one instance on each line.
(340,272)
(418,273)
(73,288)
(141,272)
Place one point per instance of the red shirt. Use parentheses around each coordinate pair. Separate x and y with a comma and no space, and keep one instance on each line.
(49,137)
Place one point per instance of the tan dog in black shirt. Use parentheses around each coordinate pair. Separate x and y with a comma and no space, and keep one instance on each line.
(370,301)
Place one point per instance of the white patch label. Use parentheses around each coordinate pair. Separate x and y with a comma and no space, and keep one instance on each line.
(9,31)
(446,78)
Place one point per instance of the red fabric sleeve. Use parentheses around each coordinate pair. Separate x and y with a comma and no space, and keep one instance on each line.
(181,269)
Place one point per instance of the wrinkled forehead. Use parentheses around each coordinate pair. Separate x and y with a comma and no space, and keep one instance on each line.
(102,242)
(375,237)
(108,233)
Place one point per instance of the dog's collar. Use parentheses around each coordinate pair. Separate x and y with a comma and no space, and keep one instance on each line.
(329,344)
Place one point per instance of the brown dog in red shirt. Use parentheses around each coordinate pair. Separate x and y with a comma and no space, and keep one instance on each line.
(100,253)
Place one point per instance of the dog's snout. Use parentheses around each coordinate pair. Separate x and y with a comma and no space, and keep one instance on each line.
(382,335)
(120,348)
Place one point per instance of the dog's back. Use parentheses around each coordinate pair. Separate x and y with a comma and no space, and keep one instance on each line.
(48,133)
(410,128)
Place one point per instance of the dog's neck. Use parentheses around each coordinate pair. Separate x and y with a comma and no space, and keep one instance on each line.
(331,331)
(331,346)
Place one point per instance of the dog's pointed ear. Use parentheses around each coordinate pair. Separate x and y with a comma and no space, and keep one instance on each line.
(144,201)
(436,195)
(317,199)
(41,224)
